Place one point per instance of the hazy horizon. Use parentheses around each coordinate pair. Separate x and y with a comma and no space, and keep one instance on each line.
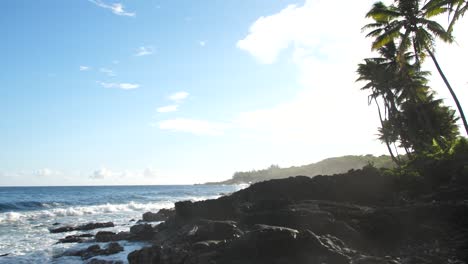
(163,92)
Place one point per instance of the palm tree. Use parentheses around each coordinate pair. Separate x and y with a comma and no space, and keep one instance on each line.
(379,75)
(410,25)
(373,71)
(454,8)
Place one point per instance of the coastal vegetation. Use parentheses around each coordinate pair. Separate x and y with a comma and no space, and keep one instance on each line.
(328,166)
(413,120)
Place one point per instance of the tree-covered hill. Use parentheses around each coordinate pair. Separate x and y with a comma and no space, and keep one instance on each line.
(325,167)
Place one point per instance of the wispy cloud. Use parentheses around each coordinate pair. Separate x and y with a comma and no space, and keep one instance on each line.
(116,8)
(149,173)
(123,86)
(108,72)
(84,68)
(167,108)
(178,96)
(193,126)
(46,172)
(177,99)
(144,51)
(202,43)
(102,173)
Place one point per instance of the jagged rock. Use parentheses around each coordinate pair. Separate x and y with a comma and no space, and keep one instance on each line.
(142,231)
(107,236)
(113,248)
(96,250)
(85,227)
(161,215)
(147,255)
(75,238)
(353,218)
(215,230)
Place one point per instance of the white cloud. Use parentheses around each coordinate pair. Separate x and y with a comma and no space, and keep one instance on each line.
(202,43)
(123,176)
(144,51)
(108,72)
(167,109)
(123,86)
(46,172)
(178,96)
(116,8)
(328,111)
(302,28)
(329,102)
(193,126)
(149,173)
(85,68)
(102,173)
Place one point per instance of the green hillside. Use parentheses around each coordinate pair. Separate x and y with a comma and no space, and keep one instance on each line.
(325,167)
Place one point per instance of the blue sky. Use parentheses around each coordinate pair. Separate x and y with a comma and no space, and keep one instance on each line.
(170,92)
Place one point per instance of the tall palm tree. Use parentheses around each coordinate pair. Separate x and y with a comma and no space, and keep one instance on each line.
(380,75)
(374,73)
(408,24)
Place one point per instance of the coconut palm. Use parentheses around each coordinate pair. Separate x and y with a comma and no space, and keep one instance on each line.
(374,73)
(408,24)
(455,9)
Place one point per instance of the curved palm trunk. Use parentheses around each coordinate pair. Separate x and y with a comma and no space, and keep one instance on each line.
(385,137)
(460,110)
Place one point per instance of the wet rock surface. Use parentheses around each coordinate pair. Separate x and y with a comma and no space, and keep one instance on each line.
(107,236)
(85,227)
(161,215)
(96,250)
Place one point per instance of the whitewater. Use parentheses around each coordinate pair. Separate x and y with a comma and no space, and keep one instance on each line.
(27,214)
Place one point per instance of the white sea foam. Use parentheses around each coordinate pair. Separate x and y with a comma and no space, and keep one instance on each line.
(82,210)
(25,236)
(91,210)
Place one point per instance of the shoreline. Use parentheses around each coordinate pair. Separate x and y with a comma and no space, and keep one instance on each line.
(357,217)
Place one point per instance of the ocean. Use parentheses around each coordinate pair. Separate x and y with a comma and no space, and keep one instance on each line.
(27,213)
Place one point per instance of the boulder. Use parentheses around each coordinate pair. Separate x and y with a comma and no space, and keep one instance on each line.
(147,255)
(107,236)
(96,250)
(142,231)
(161,215)
(75,238)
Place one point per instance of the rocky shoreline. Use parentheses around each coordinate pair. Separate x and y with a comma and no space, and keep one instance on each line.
(360,217)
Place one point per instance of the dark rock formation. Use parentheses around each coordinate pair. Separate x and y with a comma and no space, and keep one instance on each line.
(142,231)
(96,250)
(85,227)
(161,215)
(354,218)
(107,236)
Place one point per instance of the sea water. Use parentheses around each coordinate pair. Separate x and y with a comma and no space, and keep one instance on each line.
(27,214)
